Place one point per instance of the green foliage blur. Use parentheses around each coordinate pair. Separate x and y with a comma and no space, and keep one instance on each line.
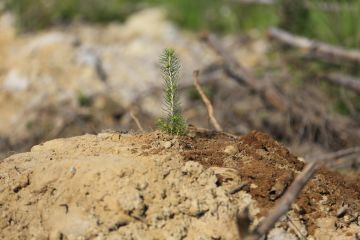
(214,15)
(40,14)
(333,21)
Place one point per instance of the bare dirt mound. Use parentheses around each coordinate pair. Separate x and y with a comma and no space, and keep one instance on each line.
(154,186)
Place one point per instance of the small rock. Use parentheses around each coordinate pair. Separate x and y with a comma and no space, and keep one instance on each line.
(197,209)
(56,235)
(132,202)
(104,136)
(349,219)
(281,234)
(14,82)
(166,144)
(119,223)
(253,186)
(142,186)
(342,211)
(116,137)
(192,168)
(231,150)
(72,171)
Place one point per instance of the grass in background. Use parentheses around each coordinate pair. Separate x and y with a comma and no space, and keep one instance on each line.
(39,14)
(336,22)
(340,27)
(309,18)
(220,16)
(213,15)
(304,17)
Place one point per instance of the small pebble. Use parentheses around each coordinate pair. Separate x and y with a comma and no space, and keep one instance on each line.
(72,171)
(231,150)
(166,144)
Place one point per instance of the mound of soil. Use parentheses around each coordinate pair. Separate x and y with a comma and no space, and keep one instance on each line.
(155,186)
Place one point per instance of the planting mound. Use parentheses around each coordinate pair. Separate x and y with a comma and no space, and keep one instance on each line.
(155,186)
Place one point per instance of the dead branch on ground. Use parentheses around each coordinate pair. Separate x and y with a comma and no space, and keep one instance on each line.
(349,82)
(284,204)
(344,163)
(315,48)
(265,2)
(207,102)
(310,117)
(235,71)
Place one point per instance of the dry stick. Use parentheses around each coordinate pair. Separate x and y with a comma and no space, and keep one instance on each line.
(344,164)
(238,188)
(293,226)
(317,49)
(269,94)
(136,120)
(349,82)
(295,188)
(207,102)
(235,71)
(265,2)
(231,66)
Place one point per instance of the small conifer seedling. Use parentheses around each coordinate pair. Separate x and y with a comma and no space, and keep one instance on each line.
(173,123)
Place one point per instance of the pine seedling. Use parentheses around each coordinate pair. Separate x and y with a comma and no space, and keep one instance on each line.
(174,122)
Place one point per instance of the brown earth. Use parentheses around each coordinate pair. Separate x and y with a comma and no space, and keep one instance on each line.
(264,162)
(155,186)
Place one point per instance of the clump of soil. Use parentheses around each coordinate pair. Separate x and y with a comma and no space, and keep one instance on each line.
(147,186)
(270,168)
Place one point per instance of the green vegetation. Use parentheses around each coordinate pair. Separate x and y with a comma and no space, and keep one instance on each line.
(214,15)
(174,122)
(220,16)
(336,22)
(84,100)
(337,25)
(39,14)
(332,21)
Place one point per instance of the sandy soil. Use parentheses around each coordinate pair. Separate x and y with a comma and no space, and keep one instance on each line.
(154,186)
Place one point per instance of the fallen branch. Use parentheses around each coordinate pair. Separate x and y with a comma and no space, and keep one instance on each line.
(295,188)
(238,188)
(235,71)
(317,49)
(344,163)
(315,117)
(343,80)
(207,102)
(265,2)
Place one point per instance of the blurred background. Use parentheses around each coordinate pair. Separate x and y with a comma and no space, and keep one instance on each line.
(82,66)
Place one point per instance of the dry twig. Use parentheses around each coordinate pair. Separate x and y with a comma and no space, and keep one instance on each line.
(238,188)
(207,102)
(266,2)
(234,70)
(314,118)
(136,120)
(316,49)
(295,188)
(345,81)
